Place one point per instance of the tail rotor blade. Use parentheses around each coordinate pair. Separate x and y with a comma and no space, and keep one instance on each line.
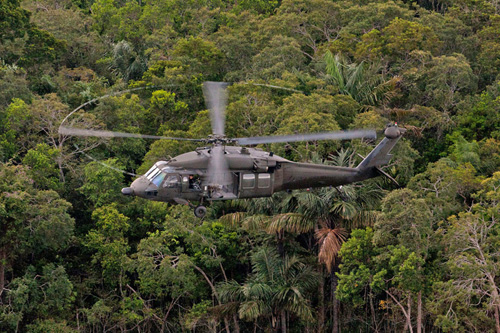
(383,173)
(216,99)
(336,135)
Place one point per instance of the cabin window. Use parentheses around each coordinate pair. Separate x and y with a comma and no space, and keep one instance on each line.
(248,181)
(159,178)
(264,180)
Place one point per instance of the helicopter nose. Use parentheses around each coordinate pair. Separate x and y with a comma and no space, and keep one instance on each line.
(127,191)
(138,187)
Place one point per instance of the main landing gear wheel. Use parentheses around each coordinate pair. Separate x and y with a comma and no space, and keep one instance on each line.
(200,211)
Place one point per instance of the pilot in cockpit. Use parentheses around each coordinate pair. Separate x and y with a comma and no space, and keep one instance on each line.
(194,182)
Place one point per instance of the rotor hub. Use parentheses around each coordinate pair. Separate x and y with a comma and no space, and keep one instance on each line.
(218,139)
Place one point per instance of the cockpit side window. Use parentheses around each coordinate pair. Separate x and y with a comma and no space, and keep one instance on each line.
(171,181)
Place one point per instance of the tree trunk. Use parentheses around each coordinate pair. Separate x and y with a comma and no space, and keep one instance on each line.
(496,305)
(216,295)
(321,301)
(372,310)
(61,171)
(335,303)
(280,246)
(406,312)
(236,324)
(3,263)
(283,322)
(497,319)
(408,318)
(419,312)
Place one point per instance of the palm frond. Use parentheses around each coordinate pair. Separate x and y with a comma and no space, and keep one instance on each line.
(345,209)
(252,310)
(330,241)
(290,222)
(334,69)
(224,310)
(255,222)
(230,291)
(233,220)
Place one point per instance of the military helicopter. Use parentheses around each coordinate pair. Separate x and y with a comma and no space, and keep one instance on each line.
(218,171)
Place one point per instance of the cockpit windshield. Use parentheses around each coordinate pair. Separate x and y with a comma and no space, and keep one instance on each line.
(153,172)
(161,172)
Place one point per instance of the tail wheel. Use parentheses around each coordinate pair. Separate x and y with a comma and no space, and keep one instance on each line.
(200,211)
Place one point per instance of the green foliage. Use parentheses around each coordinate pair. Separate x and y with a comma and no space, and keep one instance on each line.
(46,295)
(14,20)
(361,82)
(472,265)
(477,120)
(33,221)
(358,271)
(43,169)
(77,255)
(109,243)
(395,42)
(102,185)
(15,120)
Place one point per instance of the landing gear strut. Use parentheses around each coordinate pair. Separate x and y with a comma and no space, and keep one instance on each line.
(200,211)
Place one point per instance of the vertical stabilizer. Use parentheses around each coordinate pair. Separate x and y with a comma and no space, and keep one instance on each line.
(381,154)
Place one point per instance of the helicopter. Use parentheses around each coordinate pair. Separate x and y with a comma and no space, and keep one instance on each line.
(219,171)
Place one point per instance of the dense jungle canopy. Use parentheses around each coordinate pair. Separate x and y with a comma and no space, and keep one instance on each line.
(76,255)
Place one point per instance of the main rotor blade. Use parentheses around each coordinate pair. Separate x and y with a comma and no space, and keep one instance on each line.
(216,99)
(218,171)
(109,134)
(337,135)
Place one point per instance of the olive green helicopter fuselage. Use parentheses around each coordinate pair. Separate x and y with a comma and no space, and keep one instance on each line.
(250,173)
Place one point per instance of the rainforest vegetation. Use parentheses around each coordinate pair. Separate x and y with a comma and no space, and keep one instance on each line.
(77,255)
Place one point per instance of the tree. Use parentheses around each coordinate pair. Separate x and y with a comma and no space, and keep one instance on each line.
(35,297)
(471,295)
(32,221)
(47,114)
(102,185)
(110,244)
(396,41)
(476,119)
(83,46)
(359,274)
(278,286)
(42,167)
(166,112)
(361,81)
(165,272)
(15,20)
(438,82)
(15,120)
(203,56)
(406,227)
(127,62)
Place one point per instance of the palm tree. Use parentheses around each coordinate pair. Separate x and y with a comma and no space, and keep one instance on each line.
(277,287)
(127,62)
(363,82)
(329,212)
